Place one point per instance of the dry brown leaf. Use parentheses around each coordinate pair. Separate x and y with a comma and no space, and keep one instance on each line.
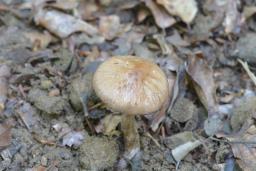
(245,151)
(233,18)
(62,24)
(185,9)
(177,40)
(63,4)
(87,9)
(203,82)
(5,135)
(4,74)
(142,14)
(162,18)
(109,26)
(201,76)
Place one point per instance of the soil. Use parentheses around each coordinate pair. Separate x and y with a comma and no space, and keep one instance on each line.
(51,119)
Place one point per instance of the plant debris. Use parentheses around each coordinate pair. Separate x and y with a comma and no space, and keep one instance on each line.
(51,117)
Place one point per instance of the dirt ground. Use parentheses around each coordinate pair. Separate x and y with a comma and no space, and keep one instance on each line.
(52,120)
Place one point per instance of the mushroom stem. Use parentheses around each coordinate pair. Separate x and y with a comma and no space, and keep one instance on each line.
(131,136)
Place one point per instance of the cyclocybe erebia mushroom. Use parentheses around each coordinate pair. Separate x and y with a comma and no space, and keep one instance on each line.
(132,86)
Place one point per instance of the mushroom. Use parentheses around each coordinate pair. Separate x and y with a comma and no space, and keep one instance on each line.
(132,86)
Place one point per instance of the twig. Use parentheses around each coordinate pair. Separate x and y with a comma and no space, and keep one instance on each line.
(153,139)
(248,71)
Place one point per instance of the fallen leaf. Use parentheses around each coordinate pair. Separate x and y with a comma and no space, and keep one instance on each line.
(5,135)
(109,26)
(176,40)
(233,18)
(63,4)
(203,82)
(4,75)
(62,24)
(162,18)
(245,149)
(201,76)
(143,13)
(86,9)
(185,9)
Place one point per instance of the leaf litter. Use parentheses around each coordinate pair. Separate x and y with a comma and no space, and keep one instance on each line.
(51,118)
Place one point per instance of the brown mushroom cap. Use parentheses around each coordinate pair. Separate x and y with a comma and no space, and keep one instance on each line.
(131,85)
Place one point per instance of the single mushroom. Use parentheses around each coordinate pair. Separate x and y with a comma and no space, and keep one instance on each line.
(132,86)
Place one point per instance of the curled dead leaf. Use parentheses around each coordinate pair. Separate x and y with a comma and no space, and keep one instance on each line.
(245,150)
(202,79)
(4,74)
(162,18)
(62,24)
(109,26)
(186,10)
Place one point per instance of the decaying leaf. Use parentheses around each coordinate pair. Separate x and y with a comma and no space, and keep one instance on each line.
(62,24)
(245,150)
(203,81)
(4,74)
(108,124)
(63,4)
(177,40)
(5,135)
(109,26)
(162,18)
(185,9)
(233,18)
